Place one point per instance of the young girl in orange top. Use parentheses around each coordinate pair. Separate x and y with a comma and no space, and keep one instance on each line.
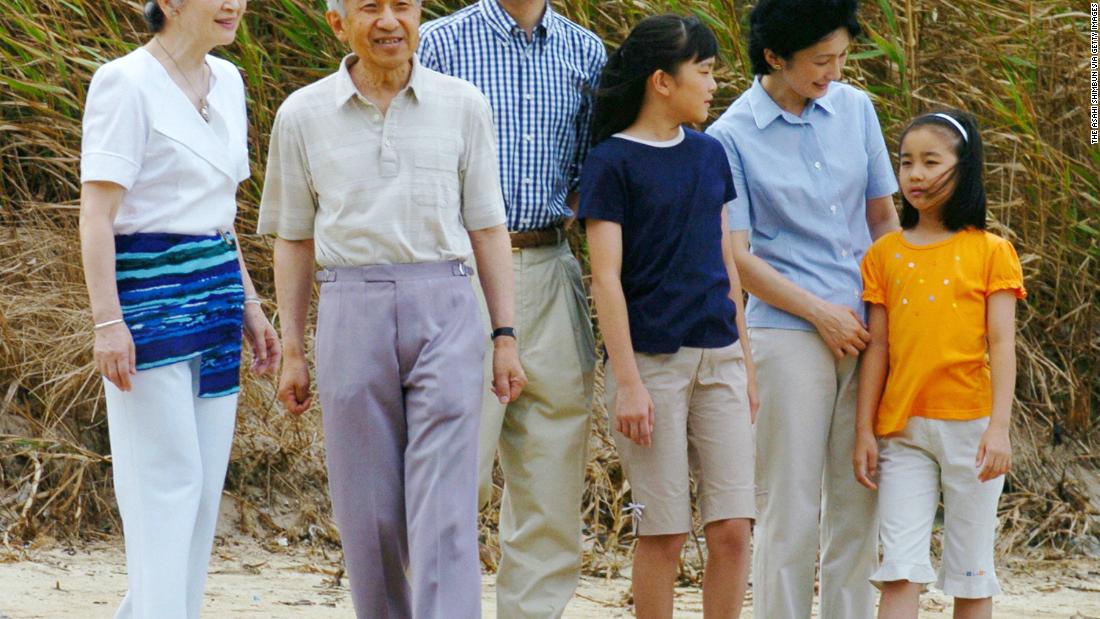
(937,379)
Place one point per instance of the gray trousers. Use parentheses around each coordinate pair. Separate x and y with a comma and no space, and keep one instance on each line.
(399,375)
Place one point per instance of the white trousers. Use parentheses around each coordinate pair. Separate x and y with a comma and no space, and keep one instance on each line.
(170,450)
(928,457)
(806,492)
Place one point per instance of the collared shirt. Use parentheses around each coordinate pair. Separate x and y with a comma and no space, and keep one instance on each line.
(803,183)
(369,188)
(541,90)
(141,131)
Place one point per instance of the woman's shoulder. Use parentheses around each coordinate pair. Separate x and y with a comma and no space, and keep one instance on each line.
(224,69)
(850,101)
(737,115)
(844,93)
(131,69)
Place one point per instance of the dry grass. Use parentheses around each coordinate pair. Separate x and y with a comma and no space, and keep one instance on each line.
(1020,66)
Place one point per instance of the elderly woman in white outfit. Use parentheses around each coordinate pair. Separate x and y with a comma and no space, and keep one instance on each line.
(164,148)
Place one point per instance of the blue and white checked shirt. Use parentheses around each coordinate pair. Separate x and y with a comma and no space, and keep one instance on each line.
(541,91)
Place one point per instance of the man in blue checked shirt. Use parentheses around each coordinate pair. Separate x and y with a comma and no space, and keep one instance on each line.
(539,71)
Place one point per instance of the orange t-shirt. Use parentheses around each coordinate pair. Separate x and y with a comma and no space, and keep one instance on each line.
(935,298)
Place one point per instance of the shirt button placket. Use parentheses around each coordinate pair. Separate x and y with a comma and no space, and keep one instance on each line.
(389,156)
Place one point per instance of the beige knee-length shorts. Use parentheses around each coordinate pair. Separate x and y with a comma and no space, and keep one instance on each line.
(702,428)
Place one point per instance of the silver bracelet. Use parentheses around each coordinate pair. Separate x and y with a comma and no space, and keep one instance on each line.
(109,323)
(253,299)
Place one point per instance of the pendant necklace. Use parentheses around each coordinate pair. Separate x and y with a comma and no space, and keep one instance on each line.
(204,109)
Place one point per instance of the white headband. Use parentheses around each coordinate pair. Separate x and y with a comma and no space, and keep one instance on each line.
(954,123)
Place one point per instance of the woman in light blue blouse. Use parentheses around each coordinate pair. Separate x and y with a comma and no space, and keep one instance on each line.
(814,184)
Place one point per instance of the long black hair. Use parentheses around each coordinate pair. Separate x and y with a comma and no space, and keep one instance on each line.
(965,207)
(659,42)
(787,26)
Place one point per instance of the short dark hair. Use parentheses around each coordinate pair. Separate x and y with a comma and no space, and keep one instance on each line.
(154,17)
(659,42)
(966,206)
(787,26)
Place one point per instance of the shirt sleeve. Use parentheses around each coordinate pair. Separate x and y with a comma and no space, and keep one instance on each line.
(874,280)
(729,194)
(584,117)
(289,203)
(603,193)
(482,197)
(245,169)
(737,209)
(1005,272)
(881,180)
(115,129)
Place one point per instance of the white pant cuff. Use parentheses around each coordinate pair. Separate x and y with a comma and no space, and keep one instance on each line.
(970,588)
(920,573)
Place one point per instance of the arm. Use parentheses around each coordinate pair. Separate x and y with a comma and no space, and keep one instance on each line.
(840,327)
(873,369)
(573,201)
(493,255)
(113,352)
(634,410)
(258,331)
(583,123)
(882,217)
(738,297)
(294,262)
(995,451)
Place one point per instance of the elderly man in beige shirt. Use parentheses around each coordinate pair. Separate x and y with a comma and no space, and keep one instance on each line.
(385,174)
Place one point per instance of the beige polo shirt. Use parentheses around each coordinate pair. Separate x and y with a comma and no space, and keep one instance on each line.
(372,189)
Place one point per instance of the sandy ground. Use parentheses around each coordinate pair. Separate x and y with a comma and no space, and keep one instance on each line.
(246,580)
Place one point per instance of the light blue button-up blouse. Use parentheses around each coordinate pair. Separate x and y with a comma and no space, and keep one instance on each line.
(803,183)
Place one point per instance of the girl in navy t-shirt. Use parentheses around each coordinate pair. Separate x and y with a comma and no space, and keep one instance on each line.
(680,386)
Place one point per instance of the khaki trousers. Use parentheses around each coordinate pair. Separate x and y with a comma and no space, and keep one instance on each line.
(806,491)
(542,437)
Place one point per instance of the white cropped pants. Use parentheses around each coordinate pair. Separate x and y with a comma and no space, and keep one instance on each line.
(169,450)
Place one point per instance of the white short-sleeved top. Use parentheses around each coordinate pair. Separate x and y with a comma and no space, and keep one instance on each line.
(141,132)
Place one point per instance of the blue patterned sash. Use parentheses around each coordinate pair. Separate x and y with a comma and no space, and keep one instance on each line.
(182,297)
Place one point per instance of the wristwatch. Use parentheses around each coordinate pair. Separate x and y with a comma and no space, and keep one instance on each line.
(499,331)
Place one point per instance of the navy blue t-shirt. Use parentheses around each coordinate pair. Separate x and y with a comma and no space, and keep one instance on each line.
(668,200)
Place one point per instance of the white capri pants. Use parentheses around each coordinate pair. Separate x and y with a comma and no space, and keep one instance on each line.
(170,450)
(915,465)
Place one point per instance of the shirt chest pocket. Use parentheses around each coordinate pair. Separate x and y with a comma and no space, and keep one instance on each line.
(437,172)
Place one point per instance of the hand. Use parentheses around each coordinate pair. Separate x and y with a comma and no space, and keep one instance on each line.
(115,356)
(634,414)
(994,453)
(841,328)
(262,339)
(865,459)
(294,384)
(509,379)
(754,397)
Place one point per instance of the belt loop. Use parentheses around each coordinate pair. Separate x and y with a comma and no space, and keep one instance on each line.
(326,275)
(460,269)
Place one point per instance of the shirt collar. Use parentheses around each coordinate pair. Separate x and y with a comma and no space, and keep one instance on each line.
(765,109)
(345,86)
(503,24)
